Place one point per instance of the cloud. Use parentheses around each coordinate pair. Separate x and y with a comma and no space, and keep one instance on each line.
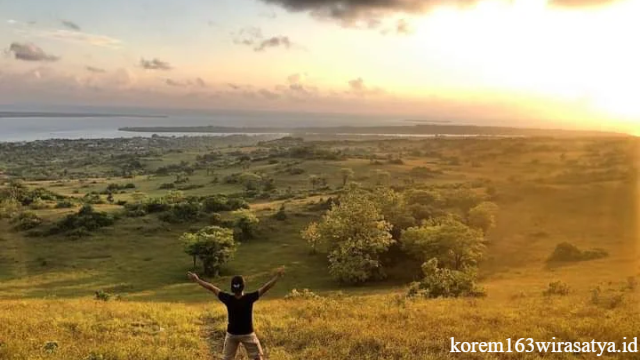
(30,52)
(155,64)
(95,70)
(268,94)
(252,36)
(70,25)
(172,82)
(70,34)
(272,42)
(358,87)
(201,83)
(348,11)
(197,82)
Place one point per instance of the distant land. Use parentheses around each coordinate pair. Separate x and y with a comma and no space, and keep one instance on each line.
(422,129)
(35,114)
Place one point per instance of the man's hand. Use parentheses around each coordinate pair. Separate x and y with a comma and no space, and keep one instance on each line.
(192,276)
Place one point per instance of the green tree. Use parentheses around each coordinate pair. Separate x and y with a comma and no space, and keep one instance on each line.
(246,224)
(250,181)
(347,174)
(483,216)
(455,245)
(213,245)
(355,235)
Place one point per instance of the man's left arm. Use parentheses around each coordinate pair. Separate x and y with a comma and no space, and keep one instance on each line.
(266,287)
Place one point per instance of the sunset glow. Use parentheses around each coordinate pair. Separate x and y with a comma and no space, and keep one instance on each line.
(522,61)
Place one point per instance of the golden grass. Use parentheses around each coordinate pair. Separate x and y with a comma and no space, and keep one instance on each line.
(382,327)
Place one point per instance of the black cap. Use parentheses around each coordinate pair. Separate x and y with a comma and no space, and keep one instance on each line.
(237,284)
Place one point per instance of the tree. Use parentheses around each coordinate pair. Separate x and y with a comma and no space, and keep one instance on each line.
(245,225)
(311,235)
(483,216)
(455,245)
(250,181)
(393,207)
(213,245)
(355,234)
(347,174)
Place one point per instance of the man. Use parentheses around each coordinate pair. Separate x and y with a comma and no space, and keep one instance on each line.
(240,314)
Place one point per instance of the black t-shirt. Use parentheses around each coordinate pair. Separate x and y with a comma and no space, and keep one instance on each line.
(239,312)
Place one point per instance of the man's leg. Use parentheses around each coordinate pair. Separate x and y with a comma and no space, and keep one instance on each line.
(252,345)
(231,343)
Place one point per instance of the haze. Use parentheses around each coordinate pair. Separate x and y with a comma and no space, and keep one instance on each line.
(560,63)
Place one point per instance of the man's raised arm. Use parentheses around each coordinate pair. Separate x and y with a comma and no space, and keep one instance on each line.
(272,282)
(204,284)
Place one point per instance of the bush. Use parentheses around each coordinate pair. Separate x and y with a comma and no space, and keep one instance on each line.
(64,204)
(101,295)
(83,222)
(281,215)
(182,212)
(26,221)
(305,294)
(556,288)
(567,252)
(609,300)
(443,282)
(167,186)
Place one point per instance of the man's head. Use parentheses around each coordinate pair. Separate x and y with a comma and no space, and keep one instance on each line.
(237,284)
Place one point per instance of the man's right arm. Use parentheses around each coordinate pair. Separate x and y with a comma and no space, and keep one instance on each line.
(204,284)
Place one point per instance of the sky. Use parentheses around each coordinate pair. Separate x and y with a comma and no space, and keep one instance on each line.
(562,63)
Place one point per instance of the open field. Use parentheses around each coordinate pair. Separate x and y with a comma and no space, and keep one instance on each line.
(581,191)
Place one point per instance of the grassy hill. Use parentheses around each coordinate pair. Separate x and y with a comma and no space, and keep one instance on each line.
(581,191)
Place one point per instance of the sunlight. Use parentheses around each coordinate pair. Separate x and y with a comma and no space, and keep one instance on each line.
(527,45)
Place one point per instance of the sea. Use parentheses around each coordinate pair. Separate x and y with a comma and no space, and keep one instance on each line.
(52,123)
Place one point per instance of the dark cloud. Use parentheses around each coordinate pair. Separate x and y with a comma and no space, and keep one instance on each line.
(30,52)
(272,42)
(71,25)
(349,10)
(96,70)
(234,86)
(155,64)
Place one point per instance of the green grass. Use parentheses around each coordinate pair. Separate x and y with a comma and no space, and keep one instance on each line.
(142,258)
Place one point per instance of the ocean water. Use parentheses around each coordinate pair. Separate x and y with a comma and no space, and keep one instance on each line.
(60,127)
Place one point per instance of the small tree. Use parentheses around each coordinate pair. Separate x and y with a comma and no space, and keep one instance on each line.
(347,174)
(455,245)
(213,245)
(245,225)
(355,234)
(483,216)
(312,236)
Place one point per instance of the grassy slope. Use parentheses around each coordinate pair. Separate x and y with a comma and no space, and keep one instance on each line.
(143,258)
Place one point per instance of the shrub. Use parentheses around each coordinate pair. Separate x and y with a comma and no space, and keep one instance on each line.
(182,212)
(609,300)
(305,294)
(64,204)
(26,221)
(101,295)
(167,186)
(567,252)
(443,282)
(556,288)
(83,222)
(281,215)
